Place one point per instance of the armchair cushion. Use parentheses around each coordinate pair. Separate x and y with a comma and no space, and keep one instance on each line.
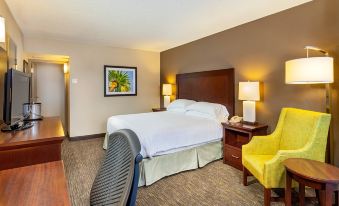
(255,164)
(297,130)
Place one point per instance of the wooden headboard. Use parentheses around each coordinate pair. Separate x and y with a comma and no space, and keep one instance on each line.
(216,86)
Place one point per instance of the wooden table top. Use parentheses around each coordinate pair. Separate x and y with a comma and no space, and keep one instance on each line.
(242,126)
(48,129)
(313,170)
(40,184)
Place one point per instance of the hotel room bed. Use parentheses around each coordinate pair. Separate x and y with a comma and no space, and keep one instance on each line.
(171,142)
(178,141)
(166,132)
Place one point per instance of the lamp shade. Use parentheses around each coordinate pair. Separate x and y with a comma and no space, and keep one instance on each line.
(313,70)
(167,89)
(2,29)
(249,91)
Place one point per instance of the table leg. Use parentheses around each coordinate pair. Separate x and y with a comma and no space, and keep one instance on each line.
(244,176)
(267,197)
(301,194)
(288,192)
(322,197)
(317,195)
(328,194)
(336,198)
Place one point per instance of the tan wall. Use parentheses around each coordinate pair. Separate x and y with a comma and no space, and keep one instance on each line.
(88,108)
(12,30)
(258,51)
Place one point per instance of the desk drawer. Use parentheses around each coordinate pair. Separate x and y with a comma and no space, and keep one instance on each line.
(30,155)
(232,156)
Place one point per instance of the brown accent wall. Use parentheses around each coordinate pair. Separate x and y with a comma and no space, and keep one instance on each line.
(258,51)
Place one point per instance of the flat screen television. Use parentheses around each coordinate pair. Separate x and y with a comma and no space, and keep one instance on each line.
(16,94)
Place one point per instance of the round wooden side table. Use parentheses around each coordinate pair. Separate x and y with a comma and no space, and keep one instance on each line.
(315,174)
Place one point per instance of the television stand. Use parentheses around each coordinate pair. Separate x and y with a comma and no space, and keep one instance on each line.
(38,144)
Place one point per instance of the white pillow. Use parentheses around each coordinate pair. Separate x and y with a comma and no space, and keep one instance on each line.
(179,105)
(180,110)
(199,114)
(209,110)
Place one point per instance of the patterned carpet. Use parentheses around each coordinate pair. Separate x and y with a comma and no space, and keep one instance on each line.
(214,184)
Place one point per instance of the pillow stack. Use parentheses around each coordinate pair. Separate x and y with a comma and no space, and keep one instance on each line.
(179,105)
(208,110)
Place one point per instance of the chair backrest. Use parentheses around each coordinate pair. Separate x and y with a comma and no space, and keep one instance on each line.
(117,180)
(300,127)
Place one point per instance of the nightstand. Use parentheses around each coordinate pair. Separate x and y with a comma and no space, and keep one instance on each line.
(158,109)
(236,135)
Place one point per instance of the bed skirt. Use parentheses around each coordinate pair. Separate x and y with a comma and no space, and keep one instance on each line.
(152,170)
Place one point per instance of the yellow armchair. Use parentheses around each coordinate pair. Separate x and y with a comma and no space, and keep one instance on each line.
(299,133)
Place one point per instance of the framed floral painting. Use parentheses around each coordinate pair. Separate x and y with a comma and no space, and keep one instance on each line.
(120,81)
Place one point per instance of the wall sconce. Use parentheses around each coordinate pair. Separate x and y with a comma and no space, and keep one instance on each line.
(65,68)
(2,30)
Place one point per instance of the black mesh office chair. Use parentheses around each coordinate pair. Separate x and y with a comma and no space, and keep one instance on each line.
(117,180)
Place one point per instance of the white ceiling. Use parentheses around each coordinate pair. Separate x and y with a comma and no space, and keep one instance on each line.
(153,25)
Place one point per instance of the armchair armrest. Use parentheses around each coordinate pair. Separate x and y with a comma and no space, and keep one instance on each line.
(307,152)
(274,170)
(262,145)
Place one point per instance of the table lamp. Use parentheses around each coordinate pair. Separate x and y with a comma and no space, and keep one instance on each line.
(167,92)
(313,70)
(249,93)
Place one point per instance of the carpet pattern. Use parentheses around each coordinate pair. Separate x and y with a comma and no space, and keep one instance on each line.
(214,184)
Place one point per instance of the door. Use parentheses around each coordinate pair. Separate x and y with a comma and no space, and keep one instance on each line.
(50,89)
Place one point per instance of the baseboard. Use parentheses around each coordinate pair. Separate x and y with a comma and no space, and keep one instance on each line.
(84,137)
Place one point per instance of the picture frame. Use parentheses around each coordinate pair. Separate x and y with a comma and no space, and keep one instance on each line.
(12,54)
(25,66)
(120,81)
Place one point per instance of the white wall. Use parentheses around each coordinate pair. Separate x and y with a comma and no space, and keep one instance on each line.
(50,89)
(88,108)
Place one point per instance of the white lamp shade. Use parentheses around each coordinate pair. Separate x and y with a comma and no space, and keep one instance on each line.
(249,91)
(167,89)
(2,30)
(313,70)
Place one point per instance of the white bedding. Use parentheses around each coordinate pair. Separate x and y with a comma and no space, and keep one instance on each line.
(166,132)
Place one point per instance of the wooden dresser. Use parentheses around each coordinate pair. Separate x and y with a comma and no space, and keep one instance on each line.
(39,144)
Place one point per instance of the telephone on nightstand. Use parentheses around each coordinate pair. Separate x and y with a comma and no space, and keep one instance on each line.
(235,119)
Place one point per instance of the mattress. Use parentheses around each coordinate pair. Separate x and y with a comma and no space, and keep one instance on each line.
(166,132)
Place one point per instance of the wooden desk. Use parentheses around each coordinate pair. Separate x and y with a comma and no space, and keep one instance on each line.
(318,175)
(39,144)
(40,184)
